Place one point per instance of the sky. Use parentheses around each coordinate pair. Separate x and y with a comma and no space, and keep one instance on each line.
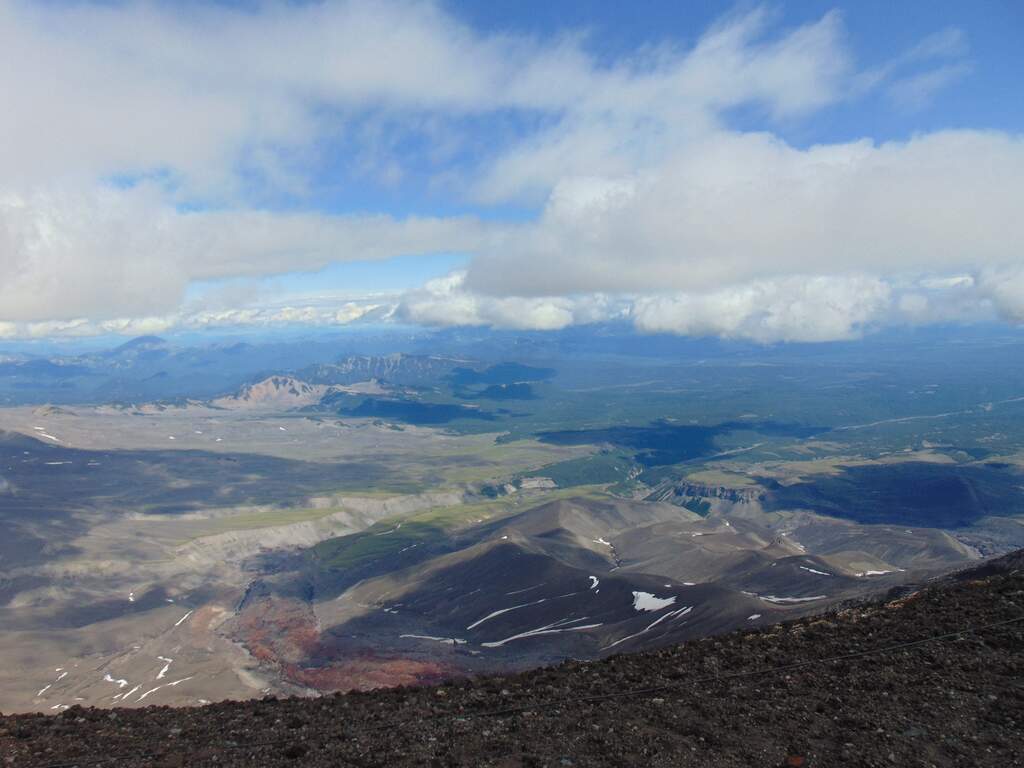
(792,172)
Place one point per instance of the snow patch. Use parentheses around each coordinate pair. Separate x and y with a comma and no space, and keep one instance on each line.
(811,570)
(773,599)
(165,685)
(645,601)
(527,589)
(167,666)
(490,616)
(594,581)
(107,678)
(446,640)
(182,619)
(126,695)
(556,627)
(678,614)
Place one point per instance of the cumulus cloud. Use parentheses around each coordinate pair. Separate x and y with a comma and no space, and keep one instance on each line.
(239,318)
(141,86)
(138,140)
(1005,288)
(796,308)
(70,251)
(737,207)
(445,302)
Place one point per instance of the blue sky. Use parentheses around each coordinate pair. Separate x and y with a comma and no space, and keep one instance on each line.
(778,172)
(984,91)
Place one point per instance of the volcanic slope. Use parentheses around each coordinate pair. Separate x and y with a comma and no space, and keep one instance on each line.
(575,578)
(930,678)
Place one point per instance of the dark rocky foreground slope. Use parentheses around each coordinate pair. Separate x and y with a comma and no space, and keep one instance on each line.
(931,678)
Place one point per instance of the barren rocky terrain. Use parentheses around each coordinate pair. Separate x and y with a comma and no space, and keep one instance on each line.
(927,677)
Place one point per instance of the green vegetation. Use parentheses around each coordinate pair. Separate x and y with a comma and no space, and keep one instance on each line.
(361,549)
(388,538)
(268,518)
(607,467)
(717,477)
(698,506)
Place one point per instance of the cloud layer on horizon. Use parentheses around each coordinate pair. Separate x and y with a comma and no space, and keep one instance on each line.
(140,145)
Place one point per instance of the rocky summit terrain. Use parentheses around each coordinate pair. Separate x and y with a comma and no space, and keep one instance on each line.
(929,676)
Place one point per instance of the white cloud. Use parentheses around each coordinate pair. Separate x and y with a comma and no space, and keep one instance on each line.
(445,302)
(650,204)
(740,207)
(1005,287)
(339,314)
(917,91)
(797,308)
(69,251)
(128,88)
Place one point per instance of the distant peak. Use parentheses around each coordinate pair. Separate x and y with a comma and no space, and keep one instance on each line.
(142,342)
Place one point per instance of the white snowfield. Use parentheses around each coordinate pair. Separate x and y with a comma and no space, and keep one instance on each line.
(645,601)
(119,683)
(594,581)
(753,617)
